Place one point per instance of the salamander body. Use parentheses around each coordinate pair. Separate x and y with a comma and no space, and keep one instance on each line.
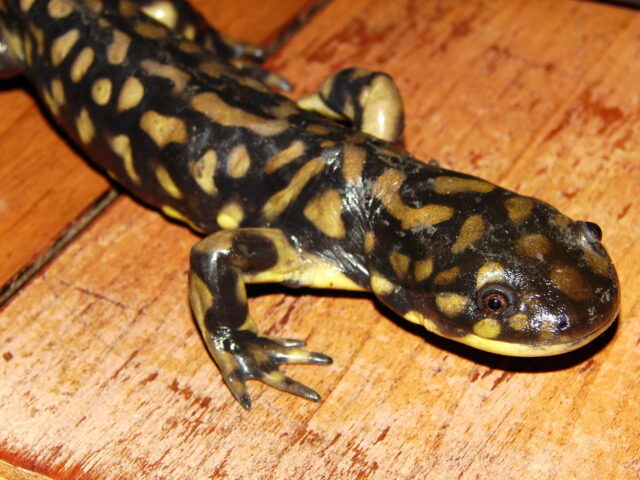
(314,194)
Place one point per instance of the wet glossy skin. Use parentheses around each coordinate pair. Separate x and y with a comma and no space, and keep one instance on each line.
(285,194)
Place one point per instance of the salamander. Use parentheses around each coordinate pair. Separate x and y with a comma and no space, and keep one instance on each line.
(317,193)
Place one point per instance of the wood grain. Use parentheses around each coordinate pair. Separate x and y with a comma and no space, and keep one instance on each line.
(104,374)
(45,183)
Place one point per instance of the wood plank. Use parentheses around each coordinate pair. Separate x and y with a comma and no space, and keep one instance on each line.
(46,185)
(104,374)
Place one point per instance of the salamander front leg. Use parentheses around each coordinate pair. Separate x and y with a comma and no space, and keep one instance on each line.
(221,264)
(370,100)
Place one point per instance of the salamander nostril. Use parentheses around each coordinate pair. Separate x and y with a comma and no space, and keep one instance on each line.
(593,231)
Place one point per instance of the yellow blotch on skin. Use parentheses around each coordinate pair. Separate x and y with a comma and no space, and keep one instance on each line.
(57,91)
(420,319)
(279,201)
(101,91)
(447,276)
(353,163)
(230,216)
(200,296)
(59,8)
(472,230)
(490,272)
(118,48)
(518,321)
(451,185)
(121,145)
(178,77)
(380,285)
(203,172)
(451,304)
(163,129)
(62,45)
(533,245)
(518,208)
(325,212)
(167,183)
(38,35)
(130,95)
(423,269)
(598,263)
(570,282)
(211,105)
(238,162)
(162,11)
(284,157)
(25,5)
(387,189)
(51,103)
(151,31)
(81,64)
(400,263)
(369,242)
(84,125)
(176,215)
(487,328)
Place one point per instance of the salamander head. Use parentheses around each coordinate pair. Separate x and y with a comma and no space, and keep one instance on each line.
(504,273)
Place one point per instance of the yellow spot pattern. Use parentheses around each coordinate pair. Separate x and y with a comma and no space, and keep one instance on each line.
(490,272)
(84,125)
(451,304)
(238,162)
(487,328)
(62,45)
(101,91)
(230,216)
(451,185)
(472,230)
(121,145)
(81,64)
(325,212)
(284,157)
(423,269)
(279,201)
(130,95)
(203,172)
(178,77)
(163,129)
(518,208)
(211,105)
(387,189)
(167,183)
(118,48)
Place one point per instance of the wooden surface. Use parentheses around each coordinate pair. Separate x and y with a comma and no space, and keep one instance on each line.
(103,374)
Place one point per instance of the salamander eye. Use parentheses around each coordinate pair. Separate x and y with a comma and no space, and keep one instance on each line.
(495,299)
(594,231)
(494,303)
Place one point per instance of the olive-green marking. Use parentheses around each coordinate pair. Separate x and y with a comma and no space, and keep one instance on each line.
(472,230)
(518,208)
(447,276)
(533,245)
(446,185)
(570,282)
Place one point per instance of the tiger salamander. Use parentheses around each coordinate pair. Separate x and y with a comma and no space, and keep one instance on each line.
(316,193)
